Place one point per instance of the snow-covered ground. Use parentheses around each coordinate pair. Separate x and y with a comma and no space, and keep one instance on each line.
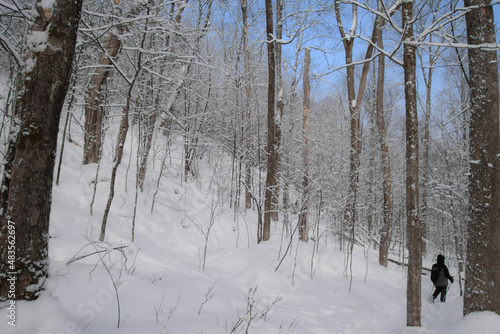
(163,283)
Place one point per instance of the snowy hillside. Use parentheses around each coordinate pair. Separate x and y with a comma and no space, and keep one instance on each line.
(193,268)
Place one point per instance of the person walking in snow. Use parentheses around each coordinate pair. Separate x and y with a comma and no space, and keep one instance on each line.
(440,276)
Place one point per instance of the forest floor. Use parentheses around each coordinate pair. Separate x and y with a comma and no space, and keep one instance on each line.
(193,268)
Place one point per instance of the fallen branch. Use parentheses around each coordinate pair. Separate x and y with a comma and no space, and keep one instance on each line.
(406,265)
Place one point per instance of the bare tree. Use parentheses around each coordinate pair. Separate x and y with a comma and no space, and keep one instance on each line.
(94,99)
(355,101)
(304,212)
(271,136)
(41,91)
(348,39)
(413,294)
(386,163)
(279,105)
(176,16)
(95,94)
(122,136)
(248,114)
(482,286)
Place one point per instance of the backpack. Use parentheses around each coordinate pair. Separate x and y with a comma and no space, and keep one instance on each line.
(435,273)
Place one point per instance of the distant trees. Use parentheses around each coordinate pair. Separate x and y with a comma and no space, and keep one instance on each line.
(27,180)
(345,162)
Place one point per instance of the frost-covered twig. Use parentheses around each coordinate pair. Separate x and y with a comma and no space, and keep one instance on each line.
(171,311)
(209,295)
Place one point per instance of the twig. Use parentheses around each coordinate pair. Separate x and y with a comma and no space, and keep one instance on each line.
(112,280)
(208,296)
(75,258)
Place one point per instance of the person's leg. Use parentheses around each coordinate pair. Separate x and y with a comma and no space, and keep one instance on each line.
(436,292)
(443,294)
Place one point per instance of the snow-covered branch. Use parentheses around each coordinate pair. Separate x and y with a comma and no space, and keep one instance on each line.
(7,45)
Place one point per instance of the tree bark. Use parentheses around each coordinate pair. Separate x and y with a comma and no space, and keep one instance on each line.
(271,137)
(151,118)
(482,285)
(248,113)
(386,163)
(25,221)
(280,108)
(348,41)
(95,91)
(413,293)
(94,98)
(304,212)
(354,100)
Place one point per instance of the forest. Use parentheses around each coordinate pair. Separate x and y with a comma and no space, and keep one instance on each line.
(360,130)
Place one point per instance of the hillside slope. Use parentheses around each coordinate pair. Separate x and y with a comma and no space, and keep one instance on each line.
(194,268)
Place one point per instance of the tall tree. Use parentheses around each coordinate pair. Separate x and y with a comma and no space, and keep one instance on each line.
(95,94)
(41,90)
(482,285)
(354,112)
(386,163)
(304,212)
(280,106)
(271,136)
(248,114)
(354,101)
(175,14)
(413,294)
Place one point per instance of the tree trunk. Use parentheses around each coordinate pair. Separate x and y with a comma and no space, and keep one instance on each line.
(385,238)
(151,119)
(304,212)
(354,100)
(95,92)
(348,41)
(413,293)
(271,137)
(248,114)
(427,73)
(482,285)
(25,222)
(280,107)
(94,98)
(120,141)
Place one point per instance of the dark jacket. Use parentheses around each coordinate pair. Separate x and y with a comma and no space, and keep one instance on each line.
(440,274)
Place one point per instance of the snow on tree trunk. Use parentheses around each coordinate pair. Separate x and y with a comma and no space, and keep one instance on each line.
(271,137)
(482,285)
(413,294)
(248,114)
(386,164)
(94,99)
(42,89)
(304,212)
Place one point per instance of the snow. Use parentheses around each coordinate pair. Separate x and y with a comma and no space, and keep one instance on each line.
(157,283)
(37,40)
(49,4)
